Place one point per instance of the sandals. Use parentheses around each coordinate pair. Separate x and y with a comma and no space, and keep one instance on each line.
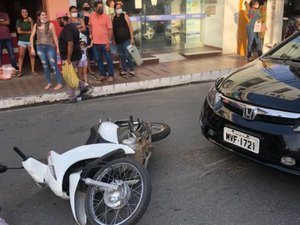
(58,86)
(48,86)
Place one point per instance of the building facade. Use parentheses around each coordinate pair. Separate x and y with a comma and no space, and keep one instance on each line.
(178,25)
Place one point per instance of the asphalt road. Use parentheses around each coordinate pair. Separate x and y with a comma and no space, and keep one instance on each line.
(194,182)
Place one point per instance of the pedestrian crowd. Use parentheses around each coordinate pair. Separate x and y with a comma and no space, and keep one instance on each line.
(77,38)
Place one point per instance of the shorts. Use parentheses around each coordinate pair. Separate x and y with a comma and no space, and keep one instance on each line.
(24,44)
(82,63)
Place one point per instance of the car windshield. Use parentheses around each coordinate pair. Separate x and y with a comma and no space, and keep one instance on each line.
(290,51)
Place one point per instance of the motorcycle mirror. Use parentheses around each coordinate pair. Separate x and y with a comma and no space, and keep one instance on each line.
(3,168)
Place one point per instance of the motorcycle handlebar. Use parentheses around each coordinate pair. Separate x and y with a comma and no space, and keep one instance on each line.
(20,153)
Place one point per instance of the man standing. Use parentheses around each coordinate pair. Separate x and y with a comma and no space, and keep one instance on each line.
(101,34)
(6,39)
(70,50)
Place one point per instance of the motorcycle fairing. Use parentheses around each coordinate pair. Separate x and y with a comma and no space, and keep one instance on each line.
(36,169)
(77,199)
(41,173)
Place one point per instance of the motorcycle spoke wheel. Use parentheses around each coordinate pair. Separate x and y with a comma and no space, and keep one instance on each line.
(126,204)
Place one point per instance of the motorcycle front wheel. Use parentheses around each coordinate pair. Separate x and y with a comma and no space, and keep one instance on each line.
(125,205)
(159,131)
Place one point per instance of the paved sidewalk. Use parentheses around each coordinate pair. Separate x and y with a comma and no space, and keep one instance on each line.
(28,89)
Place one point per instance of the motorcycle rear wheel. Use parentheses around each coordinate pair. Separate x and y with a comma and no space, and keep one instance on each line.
(124,206)
(159,131)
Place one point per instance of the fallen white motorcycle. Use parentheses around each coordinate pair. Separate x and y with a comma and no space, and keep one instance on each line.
(106,179)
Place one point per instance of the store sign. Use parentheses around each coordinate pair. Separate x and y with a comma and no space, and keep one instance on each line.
(198,16)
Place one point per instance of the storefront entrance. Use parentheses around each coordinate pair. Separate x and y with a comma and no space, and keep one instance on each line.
(13,8)
(175,25)
(166,25)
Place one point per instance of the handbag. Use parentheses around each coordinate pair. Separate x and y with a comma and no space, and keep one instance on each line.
(257,27)
(70,75)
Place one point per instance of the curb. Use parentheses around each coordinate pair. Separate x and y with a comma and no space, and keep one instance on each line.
(119,88)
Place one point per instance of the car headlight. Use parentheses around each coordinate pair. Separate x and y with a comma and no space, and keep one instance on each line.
(296,128)
(214,97)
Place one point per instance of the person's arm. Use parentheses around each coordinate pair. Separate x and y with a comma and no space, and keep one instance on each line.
(82,25)
(54,37)
(90,45)
(70,51)
(19,29)
(32,39)
(130,28)
(5,21)
(90,29)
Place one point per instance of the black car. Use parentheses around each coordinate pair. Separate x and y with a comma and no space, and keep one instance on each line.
(255,111)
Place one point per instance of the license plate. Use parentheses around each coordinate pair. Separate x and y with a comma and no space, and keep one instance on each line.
(241,139)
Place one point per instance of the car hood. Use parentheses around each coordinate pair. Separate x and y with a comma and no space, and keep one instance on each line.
(264,83)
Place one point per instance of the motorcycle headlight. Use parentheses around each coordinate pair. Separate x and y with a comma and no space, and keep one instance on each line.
(214,97)
(50,165)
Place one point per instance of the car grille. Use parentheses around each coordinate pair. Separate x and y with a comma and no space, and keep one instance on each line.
(260,113)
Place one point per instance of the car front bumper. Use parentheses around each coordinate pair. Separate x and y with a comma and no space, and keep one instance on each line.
(275,140)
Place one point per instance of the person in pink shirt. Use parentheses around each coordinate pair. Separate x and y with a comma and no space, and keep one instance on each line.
(5,38)
(100,27)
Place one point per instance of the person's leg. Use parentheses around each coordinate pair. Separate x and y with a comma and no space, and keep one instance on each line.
(250,42)
(1,48)
(85,72)
(32,60)
(52,58)
(109,61)
(258,44)
(80,71)
(11,54)
(22,50)
(128,57)
(122,57)
(42,53)
(99,60)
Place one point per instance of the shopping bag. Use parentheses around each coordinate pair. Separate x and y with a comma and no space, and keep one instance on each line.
(135,54)
(70,75)
(257,27)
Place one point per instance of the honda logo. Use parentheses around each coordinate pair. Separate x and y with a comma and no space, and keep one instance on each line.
(249,112)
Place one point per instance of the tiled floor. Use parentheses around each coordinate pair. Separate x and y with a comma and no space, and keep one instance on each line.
(33,84)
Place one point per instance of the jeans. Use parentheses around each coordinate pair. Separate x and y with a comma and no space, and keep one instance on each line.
(124,55)
(252,36)
(48,57)
(99,52)
(10,51)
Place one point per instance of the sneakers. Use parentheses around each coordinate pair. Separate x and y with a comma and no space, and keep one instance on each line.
(123,73)
(131,73)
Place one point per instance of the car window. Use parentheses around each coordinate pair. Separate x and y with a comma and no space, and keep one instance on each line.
(290,50)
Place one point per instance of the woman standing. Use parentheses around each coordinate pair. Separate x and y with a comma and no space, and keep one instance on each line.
(24,27)
(254,16)
(47,48)
(75,19)
(123,35)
